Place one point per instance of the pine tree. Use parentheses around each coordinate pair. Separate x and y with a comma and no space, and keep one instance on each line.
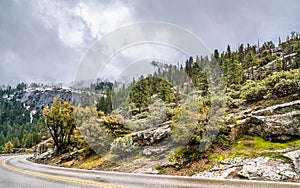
(228,52)
(140,94)
(250,62)
(188,66)
(165,92)
(105,103)
(241,54)
(2,139)
(234,71)
(279,41)
(102,104)
(216,54)
(199,78)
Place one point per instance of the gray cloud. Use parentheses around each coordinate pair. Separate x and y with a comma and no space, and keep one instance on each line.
(220,22)
(28,50)
(44,41)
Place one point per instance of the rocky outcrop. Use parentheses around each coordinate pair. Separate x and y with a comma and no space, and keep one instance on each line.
(261,168)
(46,155)
(151,136)
(295,157)
(264,168)
(148,151)
(146,170)
(43,151)
(222,171)
(37,98)
(276,123)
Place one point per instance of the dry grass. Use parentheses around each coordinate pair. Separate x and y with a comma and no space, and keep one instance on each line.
(92,162)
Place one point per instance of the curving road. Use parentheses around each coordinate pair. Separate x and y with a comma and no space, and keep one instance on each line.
(17,172)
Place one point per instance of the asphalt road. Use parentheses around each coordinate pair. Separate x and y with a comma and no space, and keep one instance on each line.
(17,172)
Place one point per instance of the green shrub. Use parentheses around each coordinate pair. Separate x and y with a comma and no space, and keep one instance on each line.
(280,84)
(253,91)
(285,87)
(123,146)
(223,139)
(283,83)
(185,153)
(234,94)
(8,147)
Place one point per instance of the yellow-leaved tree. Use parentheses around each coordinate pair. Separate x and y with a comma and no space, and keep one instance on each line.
(60,122)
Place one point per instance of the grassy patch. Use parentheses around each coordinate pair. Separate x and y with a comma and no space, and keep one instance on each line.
(217,158)
(94,161)
(259,144)
(252,147)
(69,163)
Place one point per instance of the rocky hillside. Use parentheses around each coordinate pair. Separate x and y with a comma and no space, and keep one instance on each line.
(35,97)
(21,125)
(170,122)
(265,145)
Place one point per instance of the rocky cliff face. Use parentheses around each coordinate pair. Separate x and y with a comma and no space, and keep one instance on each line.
(35,98)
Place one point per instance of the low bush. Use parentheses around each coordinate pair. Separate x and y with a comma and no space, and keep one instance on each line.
(280,84)
(123,146)
(253,91)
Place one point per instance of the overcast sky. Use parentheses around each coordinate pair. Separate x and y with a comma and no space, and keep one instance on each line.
(44,41)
